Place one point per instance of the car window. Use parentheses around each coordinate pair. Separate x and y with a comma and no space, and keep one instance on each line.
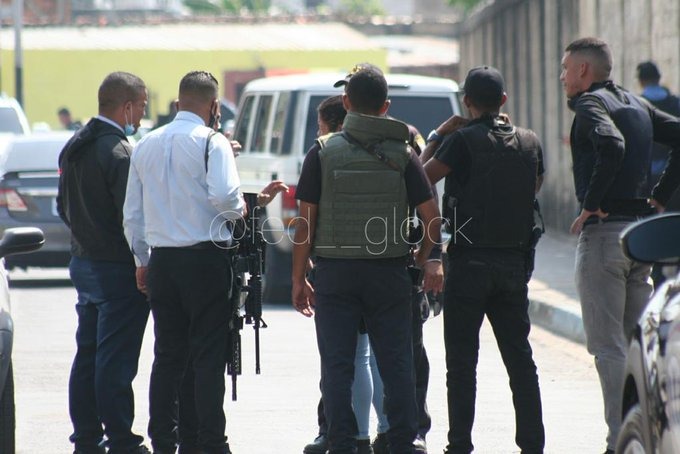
(263,111)
(241,131)
(312,126)
(279,126)
(423,112)
(9,121)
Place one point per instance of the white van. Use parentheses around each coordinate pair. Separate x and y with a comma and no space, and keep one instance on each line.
(277,124)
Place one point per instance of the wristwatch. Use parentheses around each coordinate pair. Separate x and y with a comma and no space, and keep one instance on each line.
(433,137)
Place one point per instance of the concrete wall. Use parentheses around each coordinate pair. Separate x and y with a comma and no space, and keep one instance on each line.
(525,39)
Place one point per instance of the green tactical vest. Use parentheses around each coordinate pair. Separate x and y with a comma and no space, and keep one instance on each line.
(363,210)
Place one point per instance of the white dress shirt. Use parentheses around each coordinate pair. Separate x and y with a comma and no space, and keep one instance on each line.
(170,200)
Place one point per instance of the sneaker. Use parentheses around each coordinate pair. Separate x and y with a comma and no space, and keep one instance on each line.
(380,445)
(419,445)
(318,446)
(364,446)
(141,449)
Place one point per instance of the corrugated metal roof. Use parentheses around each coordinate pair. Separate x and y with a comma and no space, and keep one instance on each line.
(263,37)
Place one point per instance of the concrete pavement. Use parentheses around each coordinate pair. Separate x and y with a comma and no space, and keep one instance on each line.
(554,303)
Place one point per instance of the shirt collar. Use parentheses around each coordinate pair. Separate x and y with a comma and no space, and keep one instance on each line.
(109,121)
(189,116)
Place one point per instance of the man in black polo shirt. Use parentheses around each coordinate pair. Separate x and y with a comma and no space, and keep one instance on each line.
(493,171)
(354,192)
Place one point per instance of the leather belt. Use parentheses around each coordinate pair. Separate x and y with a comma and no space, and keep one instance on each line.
(611,218)
(202,246)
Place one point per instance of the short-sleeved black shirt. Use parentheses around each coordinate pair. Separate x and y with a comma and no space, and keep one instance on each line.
(308,190)
(455,154)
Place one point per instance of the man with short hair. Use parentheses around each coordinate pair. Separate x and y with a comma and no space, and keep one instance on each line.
(67,121)
(355,190)
(649,77)
(493,171)
(183,187)
(611,144)
(112,313)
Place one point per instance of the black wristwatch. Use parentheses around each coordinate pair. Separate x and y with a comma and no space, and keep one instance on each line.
(433,137)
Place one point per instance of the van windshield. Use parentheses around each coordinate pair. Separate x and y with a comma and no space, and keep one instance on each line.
(425,112)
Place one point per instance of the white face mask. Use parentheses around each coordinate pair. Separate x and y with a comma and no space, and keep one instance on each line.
(129,127)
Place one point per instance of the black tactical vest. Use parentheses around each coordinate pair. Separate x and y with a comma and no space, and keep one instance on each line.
(494,207)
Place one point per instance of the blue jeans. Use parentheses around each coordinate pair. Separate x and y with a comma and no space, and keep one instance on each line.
(112,316)
(613,291)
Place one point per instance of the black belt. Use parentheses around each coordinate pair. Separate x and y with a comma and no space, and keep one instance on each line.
(611,218)
(202,246)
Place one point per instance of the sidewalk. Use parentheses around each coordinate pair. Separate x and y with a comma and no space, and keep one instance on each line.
(554,303)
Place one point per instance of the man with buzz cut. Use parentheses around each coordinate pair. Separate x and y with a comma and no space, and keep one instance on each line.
(611,144)
(355,190)
(183,187)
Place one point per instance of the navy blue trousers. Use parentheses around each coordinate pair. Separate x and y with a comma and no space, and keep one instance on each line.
(112,316)
(379,292)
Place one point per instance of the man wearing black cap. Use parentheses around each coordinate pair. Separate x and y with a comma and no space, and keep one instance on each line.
(493,171)
(355,190)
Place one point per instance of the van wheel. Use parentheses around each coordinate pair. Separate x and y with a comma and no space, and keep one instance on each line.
(631,438)
(7,416)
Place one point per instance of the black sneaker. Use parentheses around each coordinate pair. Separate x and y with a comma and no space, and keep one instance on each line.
(318,446)
(380,445)
(364,446)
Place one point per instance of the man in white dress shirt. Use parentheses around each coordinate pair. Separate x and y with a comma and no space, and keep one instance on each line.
(182,188)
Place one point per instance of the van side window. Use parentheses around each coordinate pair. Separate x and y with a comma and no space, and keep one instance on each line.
(241,130)
(262,114)
(278,128)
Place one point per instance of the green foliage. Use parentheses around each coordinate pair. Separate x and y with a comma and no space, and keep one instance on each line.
(202,6)
(466,5)
(362,7)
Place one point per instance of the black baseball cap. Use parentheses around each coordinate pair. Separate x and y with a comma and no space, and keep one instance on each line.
(647,70)
(484,85)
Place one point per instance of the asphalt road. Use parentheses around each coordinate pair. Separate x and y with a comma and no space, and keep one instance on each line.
(276,411)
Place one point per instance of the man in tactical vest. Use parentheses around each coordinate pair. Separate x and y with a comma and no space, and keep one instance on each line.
(493,171)
(611,144)
(355,190)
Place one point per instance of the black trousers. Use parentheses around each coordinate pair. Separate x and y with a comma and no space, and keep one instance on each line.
(377,291)
(491,283)
(189,297)
(421,367)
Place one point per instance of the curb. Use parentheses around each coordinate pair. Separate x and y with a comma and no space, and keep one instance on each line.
(556,312)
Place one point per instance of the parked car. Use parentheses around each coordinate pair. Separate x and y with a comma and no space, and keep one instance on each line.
(651,396)
(12,117)
(28,191)
(14,241)
(276,125)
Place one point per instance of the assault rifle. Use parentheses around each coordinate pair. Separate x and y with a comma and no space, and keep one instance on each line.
(248,258)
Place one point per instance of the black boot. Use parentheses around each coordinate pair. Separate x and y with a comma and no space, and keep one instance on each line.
(318,446)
